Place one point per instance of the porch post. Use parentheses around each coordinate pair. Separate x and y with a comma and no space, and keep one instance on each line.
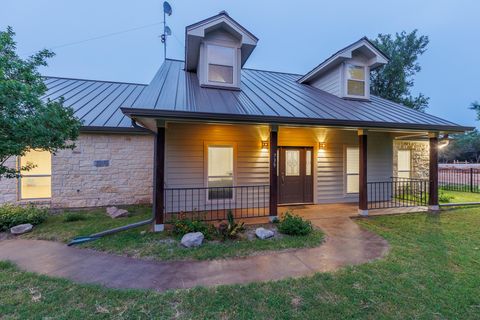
(273,173)
(159,177)
(362,174)
(433,173)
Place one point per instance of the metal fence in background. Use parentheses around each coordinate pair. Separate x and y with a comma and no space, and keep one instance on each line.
(459,179)
(210,204)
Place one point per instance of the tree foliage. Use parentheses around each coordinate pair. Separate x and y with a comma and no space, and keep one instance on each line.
(394,80)
(475,106)
(463,147)
(26,121)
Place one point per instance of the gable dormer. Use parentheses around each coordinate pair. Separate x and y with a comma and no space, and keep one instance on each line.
(216,49)
(346,74)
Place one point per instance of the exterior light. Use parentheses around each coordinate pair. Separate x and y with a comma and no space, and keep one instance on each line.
(321,146)
(443,144)
(264,144)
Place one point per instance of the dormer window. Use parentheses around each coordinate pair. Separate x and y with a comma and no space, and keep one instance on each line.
(356,81)
(221,64)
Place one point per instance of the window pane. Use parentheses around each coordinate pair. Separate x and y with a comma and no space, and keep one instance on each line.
(404,160)
(355,88)
(35,187)
(403,174)
(218,192)
(220,161)
(352,183)
(41,159)
(221,55)
(356,72)
(292,162)
(217,73)
(308,170)
(353,159)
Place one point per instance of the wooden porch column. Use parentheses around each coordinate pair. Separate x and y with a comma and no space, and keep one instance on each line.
(362,174)
(159,177)
(273,173)
(433,173)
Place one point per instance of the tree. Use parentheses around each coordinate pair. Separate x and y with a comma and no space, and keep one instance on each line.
(475,106)
(394,80)
(26,121)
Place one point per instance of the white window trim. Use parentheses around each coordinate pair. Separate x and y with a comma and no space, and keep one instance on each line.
(19,183)
(409,165)
(204,61)
(345,75)
(208,144)
(345,174)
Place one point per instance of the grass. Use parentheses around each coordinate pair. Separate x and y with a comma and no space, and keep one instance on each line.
(156,246)
(431,272)
(460,197)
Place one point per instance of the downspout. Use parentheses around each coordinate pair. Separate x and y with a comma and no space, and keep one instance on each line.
(95,236)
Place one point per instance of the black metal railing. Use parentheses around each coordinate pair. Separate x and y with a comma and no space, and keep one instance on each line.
(210,204)
(397,193)
(459,179)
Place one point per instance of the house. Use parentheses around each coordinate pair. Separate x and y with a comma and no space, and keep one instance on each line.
(207,135)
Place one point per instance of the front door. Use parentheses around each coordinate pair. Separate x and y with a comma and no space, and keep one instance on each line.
(295,175)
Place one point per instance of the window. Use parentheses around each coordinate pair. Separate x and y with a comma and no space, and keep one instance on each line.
(355,80)
(404,163)
(221,61)
(220,172)
(308,169)
(352,169)
(36,183)
(292,163)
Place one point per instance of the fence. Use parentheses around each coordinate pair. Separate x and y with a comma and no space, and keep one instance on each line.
(397,193)
(458,179)
(213,203)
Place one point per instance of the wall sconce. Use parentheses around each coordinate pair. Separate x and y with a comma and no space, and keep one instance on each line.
(264,144)
(321,146)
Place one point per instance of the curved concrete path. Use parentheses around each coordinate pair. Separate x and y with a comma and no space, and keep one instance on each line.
(346,244)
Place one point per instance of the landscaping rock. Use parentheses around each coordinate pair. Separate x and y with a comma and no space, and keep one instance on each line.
(263,233)
(115,212)
(21,229)
(192,239)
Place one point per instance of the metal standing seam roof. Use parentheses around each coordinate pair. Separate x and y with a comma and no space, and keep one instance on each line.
(264,96)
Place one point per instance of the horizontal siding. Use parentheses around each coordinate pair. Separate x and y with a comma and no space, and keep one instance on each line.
(329,82)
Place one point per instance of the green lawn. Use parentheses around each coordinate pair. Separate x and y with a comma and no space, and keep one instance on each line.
(431,272)
(460,197)
(158,246)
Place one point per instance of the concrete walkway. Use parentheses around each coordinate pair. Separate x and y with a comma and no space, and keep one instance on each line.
(346,244)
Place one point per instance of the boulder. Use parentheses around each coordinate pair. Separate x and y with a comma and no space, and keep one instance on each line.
(115,212)
(192,239)
(263,233)
(21,229)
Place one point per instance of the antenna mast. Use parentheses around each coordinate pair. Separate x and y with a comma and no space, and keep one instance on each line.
(167,10)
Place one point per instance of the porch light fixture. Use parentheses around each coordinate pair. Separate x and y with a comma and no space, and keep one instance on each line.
(264,144)
(321,146)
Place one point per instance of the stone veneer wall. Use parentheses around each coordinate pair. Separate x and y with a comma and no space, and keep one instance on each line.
(77,182)
(419,157)
(8,187)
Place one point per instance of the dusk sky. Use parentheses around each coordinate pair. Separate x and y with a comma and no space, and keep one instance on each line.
(294,37)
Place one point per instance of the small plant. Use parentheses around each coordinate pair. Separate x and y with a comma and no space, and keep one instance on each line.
(294,225)
(73,216)
(231,229)
(11,215)
(444,197)
(184,225)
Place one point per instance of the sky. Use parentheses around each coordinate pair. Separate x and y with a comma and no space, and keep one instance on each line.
(294,36)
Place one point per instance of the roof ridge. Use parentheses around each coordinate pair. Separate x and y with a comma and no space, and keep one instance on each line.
(95,80)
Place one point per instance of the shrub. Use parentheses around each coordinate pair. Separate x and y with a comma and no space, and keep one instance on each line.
(294,225)
(231,229)
(444,197)
(11,215)
(183,225)
(73,216)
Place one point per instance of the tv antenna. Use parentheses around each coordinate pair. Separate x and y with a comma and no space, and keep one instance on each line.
(167,10)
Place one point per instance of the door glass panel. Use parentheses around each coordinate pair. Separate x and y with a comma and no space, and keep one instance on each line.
(292,162)
(308,161)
